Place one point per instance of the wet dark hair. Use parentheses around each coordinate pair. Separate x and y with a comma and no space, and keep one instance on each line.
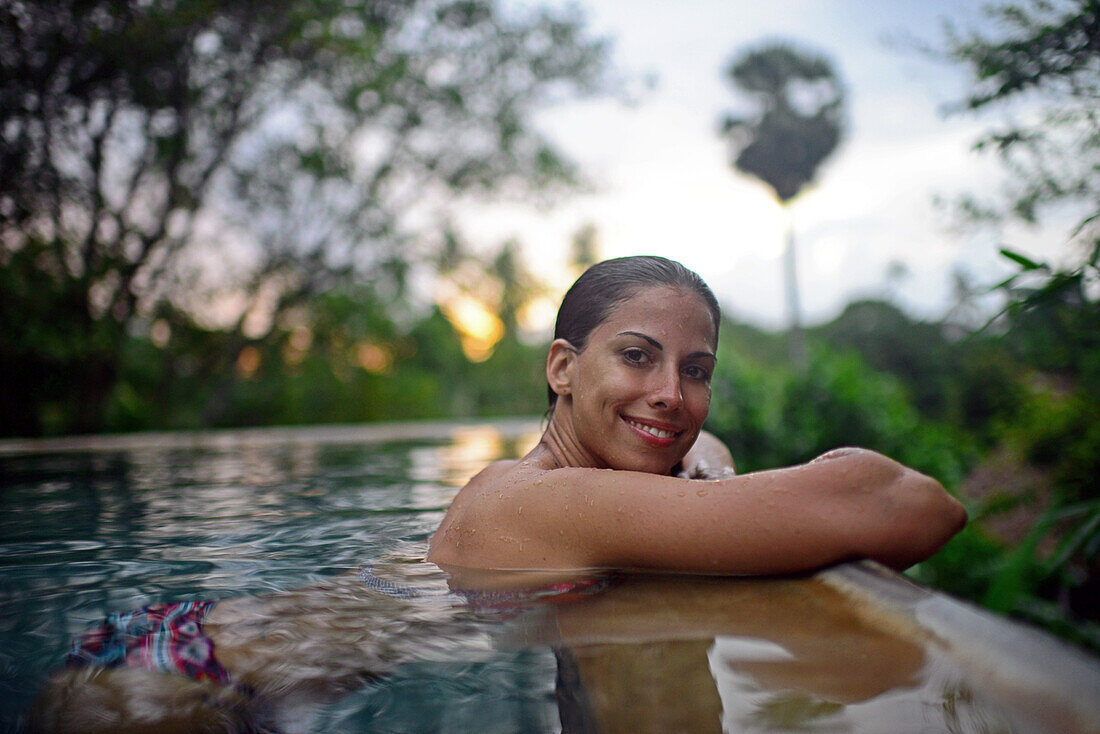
(590,300)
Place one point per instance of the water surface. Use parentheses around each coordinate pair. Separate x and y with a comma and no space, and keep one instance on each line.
(283,522)
(94,526)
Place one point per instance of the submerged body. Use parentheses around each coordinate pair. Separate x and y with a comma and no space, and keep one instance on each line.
(633,652)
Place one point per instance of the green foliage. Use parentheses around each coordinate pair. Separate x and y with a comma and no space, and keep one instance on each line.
(340,359)
(1042,57)
(889,341)
(1053,323)
(1040,60)
(973,383)
(162,155)
(773,416)
(54,356)
(1053,315)
(1044,567)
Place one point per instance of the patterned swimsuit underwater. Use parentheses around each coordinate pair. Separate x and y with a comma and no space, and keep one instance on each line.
(170,638)
(166,637)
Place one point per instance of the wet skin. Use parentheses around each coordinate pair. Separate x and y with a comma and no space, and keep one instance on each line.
(597,491)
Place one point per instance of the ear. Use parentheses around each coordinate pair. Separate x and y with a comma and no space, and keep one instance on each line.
(558,361)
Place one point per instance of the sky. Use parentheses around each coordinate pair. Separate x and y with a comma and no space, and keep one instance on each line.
(663,184)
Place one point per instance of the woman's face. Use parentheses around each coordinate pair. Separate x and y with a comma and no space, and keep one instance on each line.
(640,390)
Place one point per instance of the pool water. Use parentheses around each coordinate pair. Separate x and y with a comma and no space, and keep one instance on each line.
(283,523)
(88,528)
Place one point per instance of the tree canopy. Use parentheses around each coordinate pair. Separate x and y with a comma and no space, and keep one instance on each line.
(796,116)
(1038,63)
(229,159)
(795,119)
(1041,66)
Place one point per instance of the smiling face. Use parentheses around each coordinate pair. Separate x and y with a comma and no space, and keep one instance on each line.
(637,395)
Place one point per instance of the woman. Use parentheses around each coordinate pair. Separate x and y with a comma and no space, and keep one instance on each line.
(629,375)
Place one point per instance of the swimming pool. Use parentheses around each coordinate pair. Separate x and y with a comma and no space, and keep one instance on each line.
(95,526)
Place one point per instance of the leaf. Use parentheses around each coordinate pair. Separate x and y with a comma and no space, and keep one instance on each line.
(1014,579)
(1079,537)
(1022,260)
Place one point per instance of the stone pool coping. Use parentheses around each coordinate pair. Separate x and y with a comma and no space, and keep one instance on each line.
(1036,670)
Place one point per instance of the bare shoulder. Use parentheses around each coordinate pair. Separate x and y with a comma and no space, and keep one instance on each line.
(494,472)
(475,508)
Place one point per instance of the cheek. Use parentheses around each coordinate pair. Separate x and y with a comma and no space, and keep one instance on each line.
(699,401)
(617,383)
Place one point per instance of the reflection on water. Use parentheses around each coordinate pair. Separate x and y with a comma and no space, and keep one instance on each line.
(439,472)
(331,621)
(86,533)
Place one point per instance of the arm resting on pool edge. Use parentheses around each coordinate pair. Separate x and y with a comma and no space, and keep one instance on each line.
(850,503)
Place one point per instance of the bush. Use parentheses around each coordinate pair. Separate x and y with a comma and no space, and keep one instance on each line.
(775,416)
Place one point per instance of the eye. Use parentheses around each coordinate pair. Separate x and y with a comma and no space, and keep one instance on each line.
(695,372)
(635,356)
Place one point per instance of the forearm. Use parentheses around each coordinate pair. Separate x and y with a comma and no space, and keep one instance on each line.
(849,504)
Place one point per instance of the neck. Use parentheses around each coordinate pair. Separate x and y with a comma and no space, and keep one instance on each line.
(560,440)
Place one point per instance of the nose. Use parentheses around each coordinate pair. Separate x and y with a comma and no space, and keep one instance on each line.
(665,392)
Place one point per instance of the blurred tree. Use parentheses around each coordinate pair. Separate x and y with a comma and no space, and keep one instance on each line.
(889,341)
(500,282)
(972,384)
(233,158)
(1041,61)
(584,248)
(795,120)
(1044,59)
(517,286)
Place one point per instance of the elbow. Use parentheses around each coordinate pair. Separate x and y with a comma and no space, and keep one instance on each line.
(915,515)
(940,513)
(931,518)
(958,515)
(891,513)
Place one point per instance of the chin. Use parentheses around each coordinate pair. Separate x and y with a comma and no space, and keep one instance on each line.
(651,465)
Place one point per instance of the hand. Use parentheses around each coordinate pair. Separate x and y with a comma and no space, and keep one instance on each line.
(701,469)
(708,459)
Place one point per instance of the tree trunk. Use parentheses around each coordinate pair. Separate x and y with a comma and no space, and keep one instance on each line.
(795,339)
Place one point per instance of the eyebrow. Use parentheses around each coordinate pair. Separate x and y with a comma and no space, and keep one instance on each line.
(657,345)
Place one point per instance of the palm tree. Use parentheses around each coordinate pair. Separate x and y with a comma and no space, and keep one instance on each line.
(795,121)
